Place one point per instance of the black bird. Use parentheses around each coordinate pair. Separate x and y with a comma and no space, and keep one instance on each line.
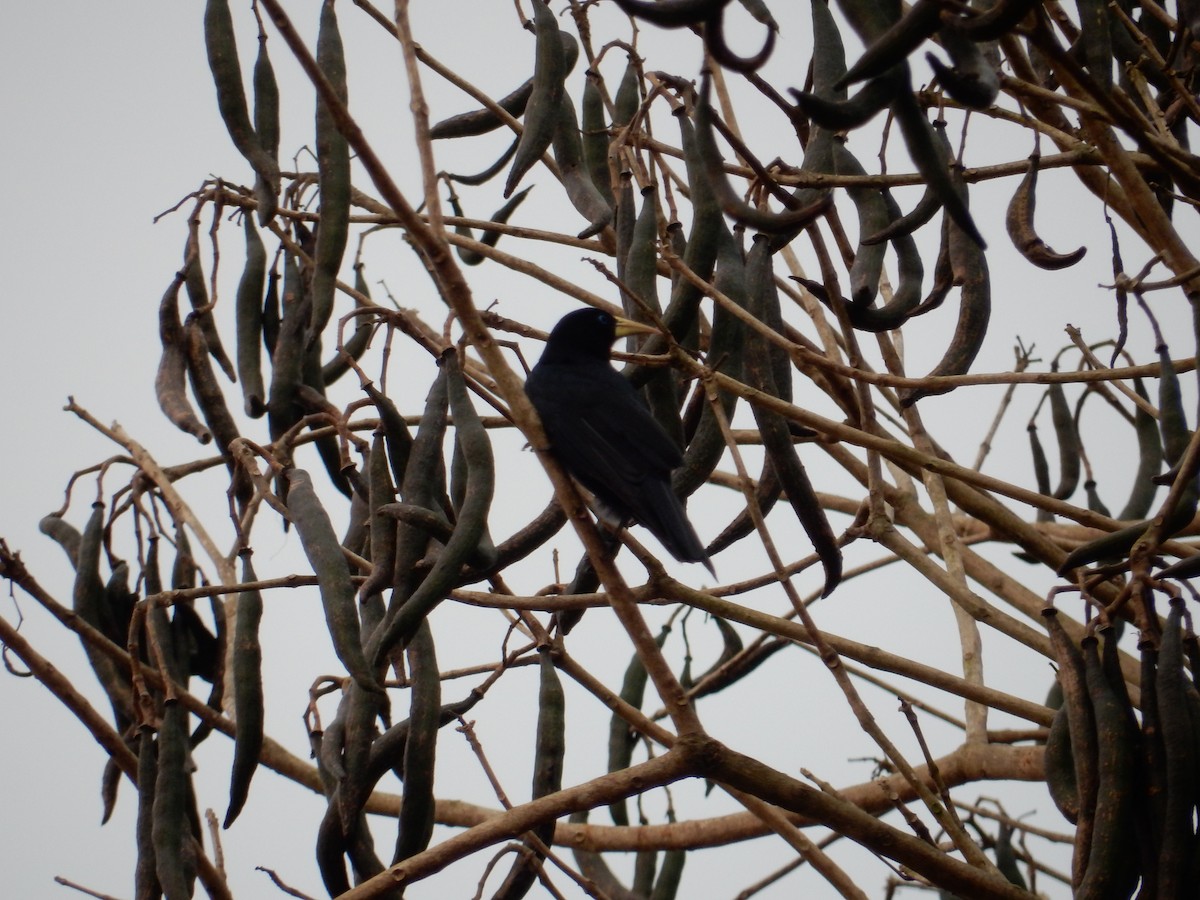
(604,435)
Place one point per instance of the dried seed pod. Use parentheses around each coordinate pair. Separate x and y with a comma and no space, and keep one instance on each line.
(1059,764)
(173,862)
(382,529)
(490,237)
(1172,420)
(892,47)
(170,383)
(63,533)
(972,80)
(1019,223)
(197,292)
(672,13)
(145,877)
(354,348)
(719,50)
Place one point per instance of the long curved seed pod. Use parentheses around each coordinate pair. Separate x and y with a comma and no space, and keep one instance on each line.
(709,156)
(592,115)
(1082,724)
(197,291)
(849,113)
(906,295)
(362,710)
(719,49)
(621,741)
(1066,432)
(333,176)
(1179,756)
(170,383)
(547,773)
(1172,420)
(1154,765)
(1006,856)
(247,692)
(1150,456)
(62,533)
(781,451)
(469,528)
(482,121)
(145,876)
(972,80)
(1019,223)
(1112,863)
(873,214)
(893,46)
(975,308)
(672,13)
(266,126)
(324,553)
(910,221)
(923,146)
(172,864)
(767,494)
(576,180)
(250,323)
(541,113)
(221,45)
(424,717)
(490,237)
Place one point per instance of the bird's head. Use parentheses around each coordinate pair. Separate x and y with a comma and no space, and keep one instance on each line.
(588,335)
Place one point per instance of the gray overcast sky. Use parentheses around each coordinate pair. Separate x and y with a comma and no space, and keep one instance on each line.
(109,118)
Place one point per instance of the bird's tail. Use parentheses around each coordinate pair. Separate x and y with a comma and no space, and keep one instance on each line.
(667,520)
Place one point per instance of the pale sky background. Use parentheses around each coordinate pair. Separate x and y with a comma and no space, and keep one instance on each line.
(109,119)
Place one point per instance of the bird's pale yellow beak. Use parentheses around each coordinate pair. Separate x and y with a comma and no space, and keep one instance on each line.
(626,327)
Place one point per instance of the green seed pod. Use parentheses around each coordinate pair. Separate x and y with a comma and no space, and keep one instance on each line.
(542,111)
(333,176)
(324,553)
(1066,432)
(173,864)
(247,692)
(424,714)
(629,94)
(145,877)
(1059,763)
(547,773)
(266,126)
(1112,863)
(1150,457)
(1172,418)
(621,741)
(63,533)
(250,323)
(581,190)
(1179,757)
(595,136)
(221,45)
